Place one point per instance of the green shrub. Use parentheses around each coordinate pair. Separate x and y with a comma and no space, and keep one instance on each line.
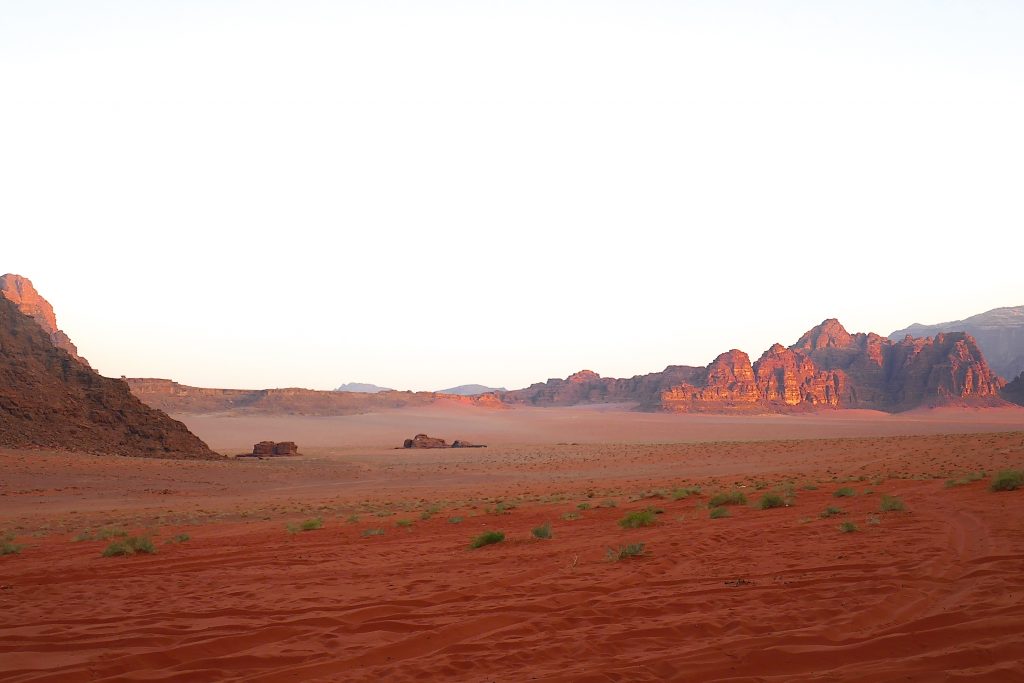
(631,550)
(730,498)
(487,538)
(831,512)
(543,531)
(583,506)
(844,492)
(455,520)
(352,519)
(404,523)
(638,519)
(810,487)
(685,492)
(847,527)
(9,548)
(312,524)
(892,504)
(104,534)
(180,538)
(719,512)
(1007,480)
(771,500)
(130,546)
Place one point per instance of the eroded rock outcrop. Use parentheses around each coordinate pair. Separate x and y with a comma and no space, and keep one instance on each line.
(49,399)
(19,291)
(424,441)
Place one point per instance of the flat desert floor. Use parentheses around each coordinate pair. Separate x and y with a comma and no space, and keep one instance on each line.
(388,589)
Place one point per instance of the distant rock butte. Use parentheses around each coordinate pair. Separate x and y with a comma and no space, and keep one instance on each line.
(826,368)
(1014,391)
(49,399)
(360,388)
(999,333)
(19,291)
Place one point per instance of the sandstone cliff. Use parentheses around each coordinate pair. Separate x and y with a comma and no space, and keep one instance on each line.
(19,291)
(48,399)
(1014,391)
(999,333)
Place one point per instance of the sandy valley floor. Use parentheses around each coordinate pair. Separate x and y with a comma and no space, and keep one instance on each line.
(388,589)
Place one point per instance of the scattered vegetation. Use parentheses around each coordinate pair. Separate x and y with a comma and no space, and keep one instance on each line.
(583,506)
(608,504)
(1007,480)
(719,512)
(847,527)
(310,524)
(730,498)
(637,519)
(180,538)
(771,500)
(487,538)
(626,551)
(874,520)
(810,487)
(831,512)
(844,492)
(685,492)
(352,519)
(570,516)
(968,478)
(455,520)
(8,546)
(404,523)
(543,531)
(373,532)
(892,504)
(130,546)
(501,509)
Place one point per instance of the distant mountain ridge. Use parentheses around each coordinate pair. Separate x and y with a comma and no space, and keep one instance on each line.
(826,368)
(361,388)
(470,390)
(999,333)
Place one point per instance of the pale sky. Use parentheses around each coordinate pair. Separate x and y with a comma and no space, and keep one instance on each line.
(424,194)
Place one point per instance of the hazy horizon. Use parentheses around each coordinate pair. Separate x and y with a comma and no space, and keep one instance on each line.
(248,196)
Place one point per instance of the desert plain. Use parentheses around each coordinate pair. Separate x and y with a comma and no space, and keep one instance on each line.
(384,586)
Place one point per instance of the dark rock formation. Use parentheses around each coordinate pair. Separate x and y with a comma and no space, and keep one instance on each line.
(271,448)
(49,399)
(424,441)
(21,293)
(1014,391)
(459,443)
(999,334)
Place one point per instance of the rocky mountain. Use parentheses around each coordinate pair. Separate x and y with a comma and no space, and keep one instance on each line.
(19,291)
(360,388)
(826,368)
(1014,391)
(49,399)
(470,390)
(999,333)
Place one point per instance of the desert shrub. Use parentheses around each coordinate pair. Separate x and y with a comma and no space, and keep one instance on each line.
(874,520)
(84,536)
(130,546)
(608,504)
(771,500)
(404,523)
(570,516)
(685,492)
(847,527)
(424,516)
(312,524)
(501,509)
(583,506)
(373,532)
(892,504)
(625,551)
(831,512)
(810,487)
(455,520)
(352,519)
(543,531)
(719,512)
(384,513)
(638,518)
(180,538)
(844,492)
(730,498)
(487,538)
(8,547)
(1007,480)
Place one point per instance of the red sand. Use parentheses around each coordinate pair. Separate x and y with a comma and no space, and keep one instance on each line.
(932,593)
